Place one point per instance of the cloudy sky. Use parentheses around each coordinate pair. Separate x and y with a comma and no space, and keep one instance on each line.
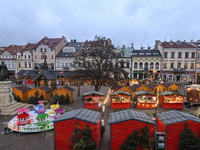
(123,21)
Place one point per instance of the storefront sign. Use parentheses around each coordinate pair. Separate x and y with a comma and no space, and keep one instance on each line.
(138,72)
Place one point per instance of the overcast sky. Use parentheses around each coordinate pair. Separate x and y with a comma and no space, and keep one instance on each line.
(123,21)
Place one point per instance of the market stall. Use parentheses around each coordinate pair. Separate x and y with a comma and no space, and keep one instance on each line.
(145,99)
(173,123)
(93,100)
(122,123)
(171,100)
(120,99)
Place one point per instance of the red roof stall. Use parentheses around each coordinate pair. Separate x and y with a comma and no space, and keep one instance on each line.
(67,123)
(171,100)
(93,100)
(173,123)
(122,124)
(145,99)
(120,99)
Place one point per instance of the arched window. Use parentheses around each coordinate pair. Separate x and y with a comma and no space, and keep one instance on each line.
(157,65)
(19,65)
(146,65)
(25,65)
(29,65)
(151,65)
(140,65)
(135,65)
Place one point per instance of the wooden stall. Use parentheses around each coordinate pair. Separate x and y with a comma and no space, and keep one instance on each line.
(120,100)
(145,99)
(65,125)
(133,81)
(156,88)
(121,127)
(173,123)
(93,100)
(146,81)
(171,100)
(41,90)
(63,91)
(21,91)
(170,86)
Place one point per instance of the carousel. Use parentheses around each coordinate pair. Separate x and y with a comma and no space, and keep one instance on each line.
(38,120)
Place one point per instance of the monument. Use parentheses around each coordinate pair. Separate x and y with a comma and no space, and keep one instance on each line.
(8,105)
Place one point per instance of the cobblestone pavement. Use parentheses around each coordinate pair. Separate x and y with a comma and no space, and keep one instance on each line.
(37,141)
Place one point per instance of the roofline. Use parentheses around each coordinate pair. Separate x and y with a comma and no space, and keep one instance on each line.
(78,119)
(180,121)
(131,119)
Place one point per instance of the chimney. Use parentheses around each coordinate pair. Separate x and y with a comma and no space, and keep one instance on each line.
(63,37)
(74,40)
(45,38)
(123,46)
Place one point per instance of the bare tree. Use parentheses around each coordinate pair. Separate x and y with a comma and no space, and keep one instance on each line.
(95,60)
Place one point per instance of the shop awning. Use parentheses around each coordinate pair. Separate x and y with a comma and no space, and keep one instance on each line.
(138,72)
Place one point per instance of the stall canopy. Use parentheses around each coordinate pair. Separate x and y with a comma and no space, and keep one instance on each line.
(26,72)
(93,93)
(120,93)
(144,93)
(166,93)
(174,116)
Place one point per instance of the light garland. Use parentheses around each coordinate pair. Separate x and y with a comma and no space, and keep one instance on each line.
(106,100)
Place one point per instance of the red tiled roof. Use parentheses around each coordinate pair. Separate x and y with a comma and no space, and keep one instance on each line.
(178,45)
(68,88)
(117,87)
(29,46)
(166,84)
(135,86)
(13,49)
(44,88)
(51,42)
(22,88)
(152,85)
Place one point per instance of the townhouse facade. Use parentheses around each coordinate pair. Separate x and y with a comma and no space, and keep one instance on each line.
(67,56)
(8,56)
(178,61)
(48,48)
(24,59)
(197,72)
(146,63)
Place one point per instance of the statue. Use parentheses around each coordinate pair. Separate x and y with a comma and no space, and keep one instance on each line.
(3,72)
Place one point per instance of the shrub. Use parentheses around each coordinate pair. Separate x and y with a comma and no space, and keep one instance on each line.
(67,98)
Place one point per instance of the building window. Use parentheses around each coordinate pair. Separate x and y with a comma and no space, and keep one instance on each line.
(13,66)
(198,66)
(165,65)
(179,54)
(51,56)
(165,54)
(18,56)
(127,65)
(140,65)
(29,65)
(193,55)
(41,50)
(51,50)
(25,65)
(45,50)
(66,64)
(157,65)
(198,56)
(172,54)
(24,56)
(186,55)
(151,65)
(135,65)
(185,65)
(62,64)
(29,57)
(35,56)
(70,64)
(34,50)
(19,65)
(8,65)
(192,66)
(58,64)
(172,65)
(179,65)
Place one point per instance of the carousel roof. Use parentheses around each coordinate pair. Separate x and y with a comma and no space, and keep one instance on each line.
(93,93)
(169,93)
(120,92)
(129,114)
(174,116)
(143,92)
(82,114)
